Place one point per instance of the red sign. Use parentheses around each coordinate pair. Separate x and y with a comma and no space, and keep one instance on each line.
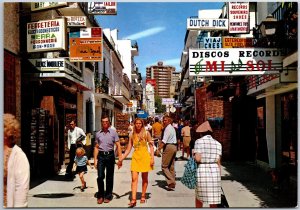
(151,82)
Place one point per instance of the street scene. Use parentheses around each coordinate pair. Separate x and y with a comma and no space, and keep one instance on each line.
(150,104)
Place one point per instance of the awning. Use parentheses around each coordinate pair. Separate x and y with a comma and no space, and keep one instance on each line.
(122,99)
(62,77)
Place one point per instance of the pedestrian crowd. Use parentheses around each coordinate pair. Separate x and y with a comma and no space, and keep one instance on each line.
(145,138)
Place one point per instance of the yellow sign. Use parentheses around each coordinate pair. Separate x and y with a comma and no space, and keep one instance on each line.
(237,42)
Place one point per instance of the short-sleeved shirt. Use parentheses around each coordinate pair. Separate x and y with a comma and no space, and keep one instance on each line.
(81,161)
(186,131)
(157,129)
(169,136)
(106,140)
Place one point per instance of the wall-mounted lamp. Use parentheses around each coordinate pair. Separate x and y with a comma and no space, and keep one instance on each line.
(268,26)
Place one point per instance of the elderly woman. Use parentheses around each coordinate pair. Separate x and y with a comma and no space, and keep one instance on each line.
(16,166)
(208,153)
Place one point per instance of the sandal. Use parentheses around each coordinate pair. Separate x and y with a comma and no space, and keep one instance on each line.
(143,199)
(132,203)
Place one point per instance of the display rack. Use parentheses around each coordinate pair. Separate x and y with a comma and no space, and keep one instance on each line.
(122,129)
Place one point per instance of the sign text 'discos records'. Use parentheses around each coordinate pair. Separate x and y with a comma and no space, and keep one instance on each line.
(235,61)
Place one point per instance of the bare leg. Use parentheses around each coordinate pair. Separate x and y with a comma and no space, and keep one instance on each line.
(144,186)
(81,178)
(134,182)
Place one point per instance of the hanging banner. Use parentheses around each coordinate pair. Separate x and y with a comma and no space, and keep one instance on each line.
(46,35)
(235,61)
(102,8)
(238,17)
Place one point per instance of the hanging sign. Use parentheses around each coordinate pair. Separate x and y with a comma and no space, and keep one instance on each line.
(102,8)
(237,42)
(86,45)
(238,16)
(212,42)
(76,21)
(207,24)
(46,35)
(35,6)
(235,61)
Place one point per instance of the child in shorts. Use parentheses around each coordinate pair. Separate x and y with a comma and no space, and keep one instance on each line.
(81,162)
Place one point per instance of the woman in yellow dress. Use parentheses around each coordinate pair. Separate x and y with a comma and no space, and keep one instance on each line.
(142,159)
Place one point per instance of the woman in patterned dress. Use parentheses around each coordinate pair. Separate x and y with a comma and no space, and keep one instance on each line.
(142,160)
(208,153)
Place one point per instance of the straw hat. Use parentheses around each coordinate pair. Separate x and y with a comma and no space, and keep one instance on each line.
(204,127)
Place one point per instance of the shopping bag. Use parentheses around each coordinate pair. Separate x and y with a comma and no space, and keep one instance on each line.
(224,203)
(189,178)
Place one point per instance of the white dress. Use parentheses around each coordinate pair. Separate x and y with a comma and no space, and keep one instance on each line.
(208,188)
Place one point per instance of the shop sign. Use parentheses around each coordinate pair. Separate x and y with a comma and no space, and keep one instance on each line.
(151,82)
(35,6)
(57,65)
(49,64)
(238,16)
(46,35)
(237,42)
(235,61)
(177,105)
(102,8)
(76,21)
(212,42)
(207,24)
(88,46)
(167,101)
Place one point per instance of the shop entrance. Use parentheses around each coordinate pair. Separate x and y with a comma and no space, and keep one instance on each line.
(289,130)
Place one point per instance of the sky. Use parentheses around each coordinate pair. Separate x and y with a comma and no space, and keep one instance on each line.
(158,27)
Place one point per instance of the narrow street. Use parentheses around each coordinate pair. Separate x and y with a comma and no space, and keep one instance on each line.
(244,185)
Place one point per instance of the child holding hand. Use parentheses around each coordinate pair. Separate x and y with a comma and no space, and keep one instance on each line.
(81,162)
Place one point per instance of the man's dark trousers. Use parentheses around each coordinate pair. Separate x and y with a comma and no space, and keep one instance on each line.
(105,162)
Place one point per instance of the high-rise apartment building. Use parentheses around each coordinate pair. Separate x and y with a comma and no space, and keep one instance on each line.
(163,76)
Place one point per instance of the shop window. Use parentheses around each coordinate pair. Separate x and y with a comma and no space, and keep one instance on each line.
(289,128)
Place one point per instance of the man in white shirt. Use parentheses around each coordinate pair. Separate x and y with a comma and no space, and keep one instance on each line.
(169,145)
(76,138)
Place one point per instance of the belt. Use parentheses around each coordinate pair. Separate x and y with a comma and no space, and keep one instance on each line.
(171,144)
(106,152)
(187,136)
(208,163)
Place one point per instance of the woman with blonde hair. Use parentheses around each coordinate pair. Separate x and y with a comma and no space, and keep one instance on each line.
(142,160)
(16,166)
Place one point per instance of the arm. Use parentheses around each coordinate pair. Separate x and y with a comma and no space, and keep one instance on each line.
(96,151)
(128,149)
(219,164)
(68,140)
(89,163)
(197,157)
(150,143)
(22,177)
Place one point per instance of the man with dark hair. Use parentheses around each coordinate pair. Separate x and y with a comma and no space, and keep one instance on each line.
(169,145)
(104,159)
(76,137)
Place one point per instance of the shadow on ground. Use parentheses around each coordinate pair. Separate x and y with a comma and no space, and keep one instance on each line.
(259,182)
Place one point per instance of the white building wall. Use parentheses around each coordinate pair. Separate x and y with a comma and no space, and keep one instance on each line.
(270,130)
(124,47)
